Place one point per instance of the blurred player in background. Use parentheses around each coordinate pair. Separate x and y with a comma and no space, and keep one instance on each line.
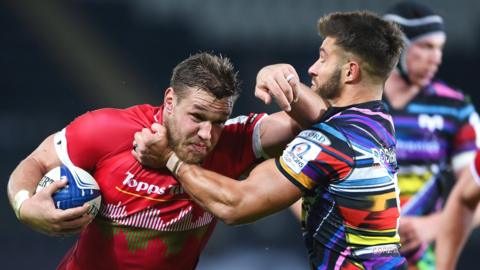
(344,166)
(457,217)
(146,220)
(435,126)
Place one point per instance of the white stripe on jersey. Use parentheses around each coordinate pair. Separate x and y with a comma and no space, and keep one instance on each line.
(462,160)
(237,120)
(256,140)
(60,142)
(369,173)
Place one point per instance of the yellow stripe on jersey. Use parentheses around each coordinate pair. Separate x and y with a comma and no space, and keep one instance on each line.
(358,239)
(301,178)
(412,183)
(380,201)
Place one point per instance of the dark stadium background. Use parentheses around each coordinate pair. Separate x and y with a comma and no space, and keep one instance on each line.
(59,59)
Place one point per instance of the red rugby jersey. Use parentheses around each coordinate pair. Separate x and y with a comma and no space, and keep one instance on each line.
(146,221)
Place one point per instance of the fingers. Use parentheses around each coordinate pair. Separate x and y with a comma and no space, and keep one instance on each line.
(158,128)
(54,186)
(136,155)
(279,82)
(280,91)
(263,94)
(74,213)
(71,221)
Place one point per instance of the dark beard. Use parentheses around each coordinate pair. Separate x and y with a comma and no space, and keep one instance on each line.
(174,144)
(331,88)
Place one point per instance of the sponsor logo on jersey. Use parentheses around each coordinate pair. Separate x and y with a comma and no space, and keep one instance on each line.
(384,155)
(299,152)
(315,136)
(417,146)
(145,187)
(431,123)
(141,186)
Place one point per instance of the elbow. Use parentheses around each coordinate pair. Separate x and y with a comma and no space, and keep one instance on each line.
(229,216)
(229,212)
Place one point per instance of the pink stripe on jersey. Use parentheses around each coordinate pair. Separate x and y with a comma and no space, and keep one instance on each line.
(445,91)
(370,112)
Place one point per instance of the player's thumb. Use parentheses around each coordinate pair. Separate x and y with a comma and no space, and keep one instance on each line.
(263,94)
(158,128)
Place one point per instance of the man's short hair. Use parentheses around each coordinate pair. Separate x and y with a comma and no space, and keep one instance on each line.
(375,41)
(214,74)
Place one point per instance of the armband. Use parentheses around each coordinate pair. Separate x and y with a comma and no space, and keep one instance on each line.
(174,164)
(19,198)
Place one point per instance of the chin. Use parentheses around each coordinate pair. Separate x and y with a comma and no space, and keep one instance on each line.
(194,159)
(422,82)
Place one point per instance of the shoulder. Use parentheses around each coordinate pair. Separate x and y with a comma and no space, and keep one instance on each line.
(242,125)
(365,117)
(140,114)
(244,120)
(444,100)
(441,89)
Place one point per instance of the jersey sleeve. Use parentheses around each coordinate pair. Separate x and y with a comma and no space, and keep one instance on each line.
(94,136)
(239,146)
(316,157)
(466,139)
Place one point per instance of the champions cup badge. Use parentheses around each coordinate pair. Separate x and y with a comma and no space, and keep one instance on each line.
(300,149)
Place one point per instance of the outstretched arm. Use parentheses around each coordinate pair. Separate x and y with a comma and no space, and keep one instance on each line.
(265,191)
(456,221)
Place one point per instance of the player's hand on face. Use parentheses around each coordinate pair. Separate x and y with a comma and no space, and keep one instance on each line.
(151,146)
(280,82)
(40,213)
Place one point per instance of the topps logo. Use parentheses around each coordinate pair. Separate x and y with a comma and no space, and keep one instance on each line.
(141,186)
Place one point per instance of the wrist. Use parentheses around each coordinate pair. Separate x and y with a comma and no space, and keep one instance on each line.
(18,200)
(174,164)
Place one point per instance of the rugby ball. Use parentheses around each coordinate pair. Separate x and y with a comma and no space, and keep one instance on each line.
(81,188)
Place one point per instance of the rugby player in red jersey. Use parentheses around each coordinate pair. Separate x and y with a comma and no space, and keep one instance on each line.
(146,220)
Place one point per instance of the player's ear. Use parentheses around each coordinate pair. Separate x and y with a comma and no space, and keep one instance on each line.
(168,100)
(352,71)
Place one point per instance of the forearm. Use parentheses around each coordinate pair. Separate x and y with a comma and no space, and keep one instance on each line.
(27,174)
(25,177)
(453,233)
(309,107)
(278,129)
(214,192)
(263,192)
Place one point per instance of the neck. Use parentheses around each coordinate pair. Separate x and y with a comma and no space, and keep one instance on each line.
(398,92)
(355,94)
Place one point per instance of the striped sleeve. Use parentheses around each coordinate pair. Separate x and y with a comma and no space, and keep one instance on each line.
(316,156)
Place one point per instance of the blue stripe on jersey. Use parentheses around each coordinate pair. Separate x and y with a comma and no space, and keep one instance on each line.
(366,182)
(359,120)
(460,113)
(331,130)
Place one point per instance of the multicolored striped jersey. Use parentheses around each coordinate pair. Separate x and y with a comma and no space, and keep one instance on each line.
(146,220)
(346,166)
(436,132)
